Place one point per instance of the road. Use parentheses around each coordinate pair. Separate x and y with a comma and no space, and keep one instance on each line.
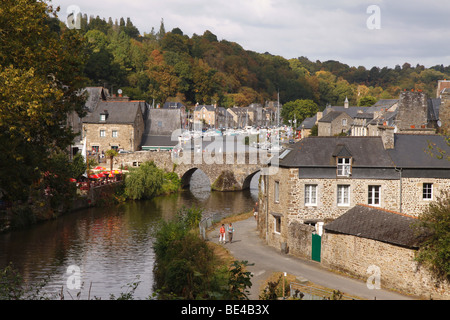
(248,246)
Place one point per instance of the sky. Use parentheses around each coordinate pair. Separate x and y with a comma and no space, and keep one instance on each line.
(368,33)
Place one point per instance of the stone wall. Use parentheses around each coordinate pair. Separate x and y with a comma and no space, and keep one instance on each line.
(412,198)
(299,240)
(444,113)
(398,270)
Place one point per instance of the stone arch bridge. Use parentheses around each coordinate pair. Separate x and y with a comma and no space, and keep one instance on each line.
(226,171)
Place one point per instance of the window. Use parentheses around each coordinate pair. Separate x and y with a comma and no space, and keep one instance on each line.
(95,148)
(277,192)
(277,226)
(374,195)
(310,195)
(344,167)
(103,117)
(344,122)
(114,134)
(343,195)
(427,193)
(102,133)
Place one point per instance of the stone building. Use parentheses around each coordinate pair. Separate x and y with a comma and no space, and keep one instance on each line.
(380,241)
(334,123)
(321,178)
(115,125)
(206,114)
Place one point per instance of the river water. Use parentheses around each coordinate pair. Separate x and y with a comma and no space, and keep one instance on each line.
(109,247)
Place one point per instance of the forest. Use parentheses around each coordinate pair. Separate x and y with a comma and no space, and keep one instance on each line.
(169,66)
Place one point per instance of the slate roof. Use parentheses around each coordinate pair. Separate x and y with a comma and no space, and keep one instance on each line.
(411,151)
(377,224)
(330,116)
(308,123)
(208,107)
(351,111)
(385,103)
(158,141)
(319,151)
(119,112)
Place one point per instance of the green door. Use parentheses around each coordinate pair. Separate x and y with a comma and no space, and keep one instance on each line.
(316,247)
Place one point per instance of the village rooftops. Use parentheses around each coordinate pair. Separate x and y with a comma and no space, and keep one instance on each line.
(411,151)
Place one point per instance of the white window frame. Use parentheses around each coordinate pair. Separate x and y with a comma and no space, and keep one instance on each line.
(344,167)
(277,224)
(102,133)
(115,134)
(276,192)
(310,194)
(374,195)
(343,195)
(427,193)
(102,117)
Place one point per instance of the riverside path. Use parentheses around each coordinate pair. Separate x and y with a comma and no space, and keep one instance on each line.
(249,247)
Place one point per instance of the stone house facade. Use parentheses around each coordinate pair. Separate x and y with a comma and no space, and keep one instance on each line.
(206,114)
(334,123)
(115,125)
(322,178)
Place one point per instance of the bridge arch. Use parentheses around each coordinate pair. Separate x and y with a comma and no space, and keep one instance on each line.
(248,180)
(186,177)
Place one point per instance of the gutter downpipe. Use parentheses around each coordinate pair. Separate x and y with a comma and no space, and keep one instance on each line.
(401,187)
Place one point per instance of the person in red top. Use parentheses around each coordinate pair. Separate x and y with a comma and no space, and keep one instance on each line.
(222,234)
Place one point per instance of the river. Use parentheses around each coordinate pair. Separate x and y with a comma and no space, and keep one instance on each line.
(110,247)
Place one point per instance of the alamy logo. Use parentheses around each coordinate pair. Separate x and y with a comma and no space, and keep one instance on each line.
(374,21)
(374,280)
(74,279)
(73,17)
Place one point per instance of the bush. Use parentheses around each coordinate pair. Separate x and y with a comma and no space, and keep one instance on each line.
(144,182)
(435,249)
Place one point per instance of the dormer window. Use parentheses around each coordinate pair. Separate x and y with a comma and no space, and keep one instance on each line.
(104,115)
(344,167)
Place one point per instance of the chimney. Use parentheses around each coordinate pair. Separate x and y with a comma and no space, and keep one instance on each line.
(319,116)
(387,136)
(346,103)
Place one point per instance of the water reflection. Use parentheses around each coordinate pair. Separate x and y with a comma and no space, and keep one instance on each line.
(110,245)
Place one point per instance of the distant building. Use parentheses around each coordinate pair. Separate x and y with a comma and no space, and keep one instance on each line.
(115,124)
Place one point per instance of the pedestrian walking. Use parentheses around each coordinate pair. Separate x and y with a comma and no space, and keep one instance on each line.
(222,234)
(255,211)
(230,230)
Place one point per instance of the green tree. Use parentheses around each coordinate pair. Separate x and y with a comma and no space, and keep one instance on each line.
(41,74)
(367,101)
(298,110)
(144,182)
(435,226)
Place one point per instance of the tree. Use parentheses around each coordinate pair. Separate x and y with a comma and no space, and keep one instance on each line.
(144,182)
(435,249)
(111,153)
(367,101)
(41,74)
(298,110)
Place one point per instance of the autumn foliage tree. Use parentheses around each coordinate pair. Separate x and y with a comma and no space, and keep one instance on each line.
(41,73)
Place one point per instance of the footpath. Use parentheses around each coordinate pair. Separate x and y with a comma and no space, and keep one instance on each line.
(266,260)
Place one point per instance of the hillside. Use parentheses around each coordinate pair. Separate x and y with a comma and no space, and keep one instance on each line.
(171,66)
